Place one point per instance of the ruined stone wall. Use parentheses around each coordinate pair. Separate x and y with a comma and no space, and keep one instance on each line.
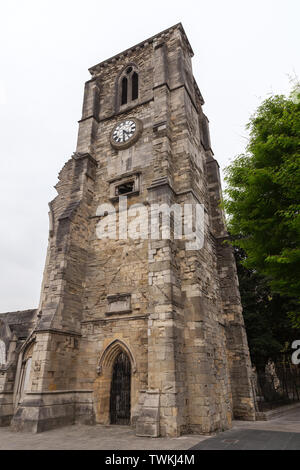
(58,328)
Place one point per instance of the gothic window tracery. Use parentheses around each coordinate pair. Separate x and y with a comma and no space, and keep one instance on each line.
(129,85)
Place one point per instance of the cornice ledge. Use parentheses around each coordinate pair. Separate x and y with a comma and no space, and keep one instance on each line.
(162,35)
(82,156)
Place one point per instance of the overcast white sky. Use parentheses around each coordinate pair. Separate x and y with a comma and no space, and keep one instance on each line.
(244,50)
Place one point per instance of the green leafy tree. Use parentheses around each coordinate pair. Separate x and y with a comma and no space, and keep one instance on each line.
(268,326)
(263,195)
(269,329)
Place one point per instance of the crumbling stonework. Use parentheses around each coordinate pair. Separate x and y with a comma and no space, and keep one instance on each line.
(175,313)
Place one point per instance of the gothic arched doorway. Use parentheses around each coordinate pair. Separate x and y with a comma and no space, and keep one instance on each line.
(24,373)
(120,390)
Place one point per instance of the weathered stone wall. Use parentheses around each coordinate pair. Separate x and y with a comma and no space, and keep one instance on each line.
(175,312)
(187,362)
(95,369)
(58,327)
(14,327)
(236,340)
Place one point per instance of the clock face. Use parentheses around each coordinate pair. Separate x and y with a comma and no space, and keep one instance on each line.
(124,131)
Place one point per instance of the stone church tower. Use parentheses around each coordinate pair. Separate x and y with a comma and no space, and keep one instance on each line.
(134,330)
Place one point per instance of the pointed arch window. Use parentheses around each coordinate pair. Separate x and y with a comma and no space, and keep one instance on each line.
(129,85)
(135,86)
(124,90)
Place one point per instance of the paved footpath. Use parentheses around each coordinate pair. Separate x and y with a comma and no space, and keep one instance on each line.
(280,433)
(81,437)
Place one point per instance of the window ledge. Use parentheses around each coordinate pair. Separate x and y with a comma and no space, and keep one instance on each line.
(128,106)
(116,198)
(118,312)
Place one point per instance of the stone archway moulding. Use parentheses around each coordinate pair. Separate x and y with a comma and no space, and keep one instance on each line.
(110,353)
